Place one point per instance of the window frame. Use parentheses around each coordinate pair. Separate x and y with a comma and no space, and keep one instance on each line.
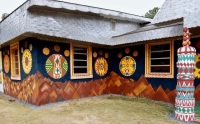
(148,72)
(89,73)
(15,76)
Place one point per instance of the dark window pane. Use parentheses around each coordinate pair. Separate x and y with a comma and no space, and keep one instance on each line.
(160,62)
(16,65)
(80,50)
(80,70)
(80,63)
(16,52)
(160,47)
(160,54)
(17,71)
(80,56)
(165,69)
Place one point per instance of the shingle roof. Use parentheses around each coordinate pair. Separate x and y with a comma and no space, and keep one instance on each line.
(103,12)
(150,32)
(175,9)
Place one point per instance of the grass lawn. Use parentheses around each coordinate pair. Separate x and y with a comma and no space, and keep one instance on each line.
(111,110)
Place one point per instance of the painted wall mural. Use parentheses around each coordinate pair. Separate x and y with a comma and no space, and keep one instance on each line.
(101,66)
(56,66)
(100,52)
(127,66)
(197,66)
(94,54)
(46,51)
(6,63)
(27,61)
(57,48)
(66,53)
(38,90)
(127,50)
(106,55)
(135,53)
(119,55)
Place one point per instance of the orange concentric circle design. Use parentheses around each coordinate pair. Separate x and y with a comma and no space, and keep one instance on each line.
(6,63)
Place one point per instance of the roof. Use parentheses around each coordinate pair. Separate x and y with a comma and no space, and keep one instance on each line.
(150,32)
(172,10)
(83,8)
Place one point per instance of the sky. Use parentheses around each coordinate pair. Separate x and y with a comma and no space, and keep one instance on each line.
(137,7)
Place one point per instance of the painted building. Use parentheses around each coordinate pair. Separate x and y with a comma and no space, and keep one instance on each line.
(54,51)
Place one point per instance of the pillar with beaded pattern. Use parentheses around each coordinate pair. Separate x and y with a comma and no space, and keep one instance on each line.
(185,101)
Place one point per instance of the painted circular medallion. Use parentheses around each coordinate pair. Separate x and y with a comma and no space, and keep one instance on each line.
(135,53)
(101,66)
(57,48)
(56,66)
(100,52)
(46,51)
(106,55)
(66,53)
(127,66)
(119,55)
(6,63)
(127,50)
(94,54)
(27,61)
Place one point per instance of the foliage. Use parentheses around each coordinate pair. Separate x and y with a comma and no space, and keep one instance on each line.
(151,13)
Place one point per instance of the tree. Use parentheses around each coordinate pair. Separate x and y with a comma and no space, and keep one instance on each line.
(151,13)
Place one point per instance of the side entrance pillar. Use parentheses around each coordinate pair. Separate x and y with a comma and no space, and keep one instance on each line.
(185,101)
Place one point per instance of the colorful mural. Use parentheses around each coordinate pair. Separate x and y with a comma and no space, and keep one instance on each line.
(6,63)
(66,53)
(127,50)
(57,48)
(46,51)
(185,101)
(27,61)
(56,66)
(39,90)
(127,66)
(101,66)
(135,53)
(30,47)
(100,52)
(106,55)
(119,55)
(197,66)
(94,54)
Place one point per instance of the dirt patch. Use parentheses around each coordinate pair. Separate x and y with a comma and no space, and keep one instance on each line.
(112,110)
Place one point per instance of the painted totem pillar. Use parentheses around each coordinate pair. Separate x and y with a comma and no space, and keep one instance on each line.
(185,100)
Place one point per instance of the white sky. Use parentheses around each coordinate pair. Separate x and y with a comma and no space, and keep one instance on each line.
(137,7)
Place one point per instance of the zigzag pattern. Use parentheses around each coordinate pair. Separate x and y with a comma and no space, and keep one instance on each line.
(185,95)
(185,117)
(185,103)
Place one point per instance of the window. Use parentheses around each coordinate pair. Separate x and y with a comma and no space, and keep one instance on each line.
(159,60)
(15,63)
(81,61)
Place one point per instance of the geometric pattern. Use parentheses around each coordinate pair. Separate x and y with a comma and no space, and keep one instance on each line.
(197,66)
(56,66)
(38,90)
(185,89)
(27,61)
(127,66)
(101,66)
(6,63)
